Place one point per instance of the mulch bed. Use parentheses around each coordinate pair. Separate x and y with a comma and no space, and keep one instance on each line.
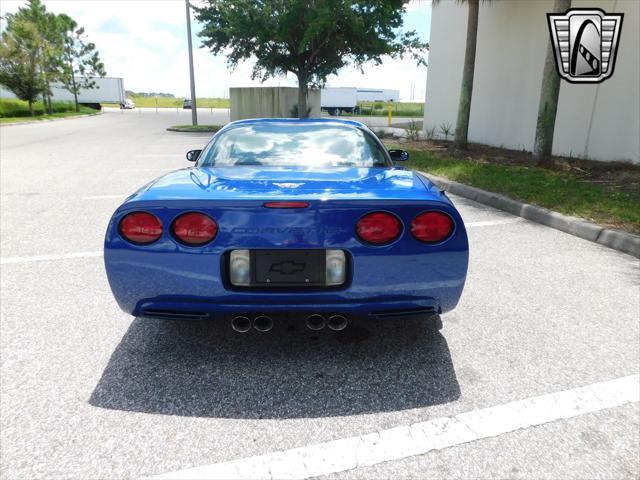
(613,176)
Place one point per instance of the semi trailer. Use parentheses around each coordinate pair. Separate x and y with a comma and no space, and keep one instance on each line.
(345,99)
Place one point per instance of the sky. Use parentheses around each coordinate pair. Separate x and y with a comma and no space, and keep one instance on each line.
(145,43)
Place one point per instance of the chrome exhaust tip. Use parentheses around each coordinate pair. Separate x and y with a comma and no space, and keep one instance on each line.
(337,322)
(315,322)
(262,323)
(241,324)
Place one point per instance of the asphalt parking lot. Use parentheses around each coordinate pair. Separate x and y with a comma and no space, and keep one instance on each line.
(88,392)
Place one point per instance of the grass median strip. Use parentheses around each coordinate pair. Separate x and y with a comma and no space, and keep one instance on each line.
(15,111)
(194,128)
(53,116)
(560,191)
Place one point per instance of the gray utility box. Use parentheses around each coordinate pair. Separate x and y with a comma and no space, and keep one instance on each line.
(269,102)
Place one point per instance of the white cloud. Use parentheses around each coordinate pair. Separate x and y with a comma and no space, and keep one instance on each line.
(145,43)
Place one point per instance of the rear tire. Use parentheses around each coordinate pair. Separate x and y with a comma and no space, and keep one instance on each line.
(334,112)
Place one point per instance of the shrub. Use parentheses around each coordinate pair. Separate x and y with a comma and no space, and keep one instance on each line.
(18,108)
(413,130)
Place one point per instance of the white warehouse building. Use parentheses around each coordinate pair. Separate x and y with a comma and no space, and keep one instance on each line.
(596,121)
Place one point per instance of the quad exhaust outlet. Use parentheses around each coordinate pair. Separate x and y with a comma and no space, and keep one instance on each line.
(337,322)
(334,322)
(241,324)
(315,322)
(263,323)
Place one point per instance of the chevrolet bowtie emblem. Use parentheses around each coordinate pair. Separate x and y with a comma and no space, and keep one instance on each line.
(287,267)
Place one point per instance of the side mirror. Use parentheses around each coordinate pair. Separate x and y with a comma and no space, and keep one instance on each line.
(192,155)
(399,155)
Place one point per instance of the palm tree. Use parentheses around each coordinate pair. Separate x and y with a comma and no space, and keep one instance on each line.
(466,88)
(548,106)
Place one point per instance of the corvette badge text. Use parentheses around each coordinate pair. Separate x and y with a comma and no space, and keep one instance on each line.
(585,43)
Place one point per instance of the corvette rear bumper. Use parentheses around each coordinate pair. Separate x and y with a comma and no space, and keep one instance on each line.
(169,280)
(199,310)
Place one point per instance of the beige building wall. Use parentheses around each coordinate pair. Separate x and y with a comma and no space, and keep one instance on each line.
(269,102)
(595,121)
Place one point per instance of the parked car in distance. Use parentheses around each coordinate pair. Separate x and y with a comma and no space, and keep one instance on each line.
(128,104)
(284,217)
(186,104)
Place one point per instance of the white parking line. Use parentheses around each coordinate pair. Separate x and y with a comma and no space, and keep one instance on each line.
(69,256)
(100,197)
(46,258)
(168,169)
(491,223)
(420,438)
(159,154)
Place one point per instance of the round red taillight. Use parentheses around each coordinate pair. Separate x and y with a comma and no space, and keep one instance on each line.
(432,227)
(141,227)
(379,228)
(194,228)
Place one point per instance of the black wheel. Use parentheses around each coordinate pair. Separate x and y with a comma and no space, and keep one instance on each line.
(334,112)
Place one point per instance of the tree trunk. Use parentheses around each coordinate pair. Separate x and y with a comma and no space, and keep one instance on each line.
(302,95)
(75,89)
(549,91)
(31,107)
(466,89)
(46,98)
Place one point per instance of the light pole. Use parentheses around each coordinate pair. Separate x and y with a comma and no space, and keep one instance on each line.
(194,107)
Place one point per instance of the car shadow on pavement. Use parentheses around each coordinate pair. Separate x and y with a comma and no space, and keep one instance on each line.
(205,369)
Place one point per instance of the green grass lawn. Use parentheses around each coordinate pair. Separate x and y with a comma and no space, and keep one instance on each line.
(195,128)
(163,102)
(556,190)
(15,111)
(400,109)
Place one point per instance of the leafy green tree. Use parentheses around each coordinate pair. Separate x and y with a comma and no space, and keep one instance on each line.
(548,106)
(310,38)
(79,59)
(19,59)
(50,44)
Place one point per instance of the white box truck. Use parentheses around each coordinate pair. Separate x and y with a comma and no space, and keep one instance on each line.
(106,90)
(345,99)
(338,100)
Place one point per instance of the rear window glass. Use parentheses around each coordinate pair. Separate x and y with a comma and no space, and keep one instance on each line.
(292,144)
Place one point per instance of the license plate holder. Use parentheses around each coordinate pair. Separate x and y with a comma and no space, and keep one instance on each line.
(288,268)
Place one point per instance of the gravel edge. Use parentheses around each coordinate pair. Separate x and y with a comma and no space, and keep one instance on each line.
(621,241)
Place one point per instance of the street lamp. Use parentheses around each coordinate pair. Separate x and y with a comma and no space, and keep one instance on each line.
(194,107)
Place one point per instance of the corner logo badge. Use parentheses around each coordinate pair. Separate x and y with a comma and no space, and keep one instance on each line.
(585,44)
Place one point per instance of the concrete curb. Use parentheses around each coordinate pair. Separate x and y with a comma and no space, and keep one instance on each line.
(71,117)
(183,130)
(621,241)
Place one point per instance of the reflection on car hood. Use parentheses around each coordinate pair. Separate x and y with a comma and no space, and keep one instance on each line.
(251,183)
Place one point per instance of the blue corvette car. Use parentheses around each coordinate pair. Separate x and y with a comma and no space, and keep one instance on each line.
(280,217)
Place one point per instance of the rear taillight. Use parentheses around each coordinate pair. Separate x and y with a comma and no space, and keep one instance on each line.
(141,228)
(432,227)
(379,228)
(194,228)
